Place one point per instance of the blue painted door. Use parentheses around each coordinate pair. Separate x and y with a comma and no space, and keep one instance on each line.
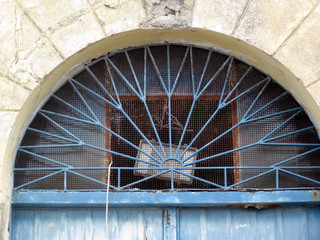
(166,223)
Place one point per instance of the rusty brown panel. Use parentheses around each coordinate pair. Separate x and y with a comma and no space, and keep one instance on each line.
(235,132)
(108,125)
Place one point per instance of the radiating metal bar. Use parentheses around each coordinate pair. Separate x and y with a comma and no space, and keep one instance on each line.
(89,178)
(157,71)
(51,135)
(257,97)
(142,135)
(124,78)
(268,104)
(281,125)
(225,81)
(272,115)
(112,82)
(277,178)
(43,157)
(65,180)
(299,176)
(199,179)
(199,132)
(51,146)
(238,83)
(69,105)
(292,144)
(116,106)
(246,91)
(251,178)
(214,76)
(219,154)
(39,179)
(100,84)
(68,117)
(59,126)
(145,73)
(145,179)
(133,72)
(179,72)
(203,72)
(83,100)
(288,134)
(128,142)
(192,73)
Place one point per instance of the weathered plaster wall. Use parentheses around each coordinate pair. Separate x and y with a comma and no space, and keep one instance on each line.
(41,39)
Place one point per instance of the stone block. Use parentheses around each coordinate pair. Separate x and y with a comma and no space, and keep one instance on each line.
(12,96)
(120,16)
(19,39)
(77,35)
(267,24)
(34,64)
(220,16)
(70,25)
(301,53)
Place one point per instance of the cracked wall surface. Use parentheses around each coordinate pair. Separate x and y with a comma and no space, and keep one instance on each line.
(42,39)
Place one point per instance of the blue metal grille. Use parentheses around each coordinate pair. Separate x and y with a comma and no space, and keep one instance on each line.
(169,118)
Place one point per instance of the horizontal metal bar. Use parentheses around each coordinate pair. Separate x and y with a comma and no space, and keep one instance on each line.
(163,199)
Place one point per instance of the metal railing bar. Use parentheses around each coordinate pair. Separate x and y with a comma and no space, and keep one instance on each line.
(43,157)
(168,69)
(145,179)
(89,178)
(39,179)
(199,179)
(251,178)
(299,176)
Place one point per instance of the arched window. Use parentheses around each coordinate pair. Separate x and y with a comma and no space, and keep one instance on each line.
(169,118)
(183,126)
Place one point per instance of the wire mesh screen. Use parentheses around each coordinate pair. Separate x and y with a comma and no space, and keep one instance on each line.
(169,118)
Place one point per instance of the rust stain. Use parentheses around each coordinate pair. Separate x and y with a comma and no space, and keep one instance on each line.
(254,206)
(315,196)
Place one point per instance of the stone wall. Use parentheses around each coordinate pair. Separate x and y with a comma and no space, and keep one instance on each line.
(43,41)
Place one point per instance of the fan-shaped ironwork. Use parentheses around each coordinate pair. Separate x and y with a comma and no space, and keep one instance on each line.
(169,117)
